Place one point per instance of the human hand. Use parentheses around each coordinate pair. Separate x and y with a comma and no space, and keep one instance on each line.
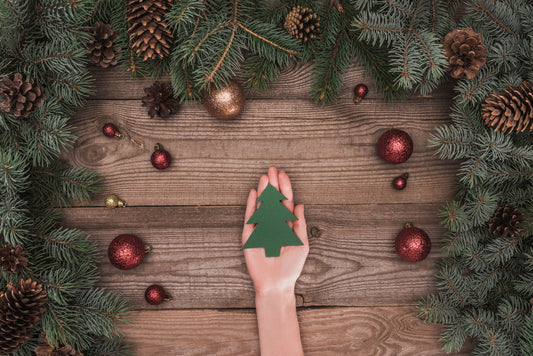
(276,273)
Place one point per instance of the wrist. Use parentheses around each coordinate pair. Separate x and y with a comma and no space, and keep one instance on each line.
(274,292)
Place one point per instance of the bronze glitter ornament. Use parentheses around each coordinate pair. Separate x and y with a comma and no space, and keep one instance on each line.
(112,201)
(225,103)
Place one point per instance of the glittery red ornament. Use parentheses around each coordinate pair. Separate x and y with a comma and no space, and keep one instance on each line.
(412,244)
(400,182)
(110,130)
(359,93)
(127,251)
(155,294)
(160,158)
(395,146)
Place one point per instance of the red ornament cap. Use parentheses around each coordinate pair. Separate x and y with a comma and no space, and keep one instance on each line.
(359,92)
(160,159)
(412,244)
(155,295)
(127,251)
(400,182)
(395,146)
(110,130)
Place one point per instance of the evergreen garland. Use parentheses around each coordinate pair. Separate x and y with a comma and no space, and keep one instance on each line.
(485,281)
(45,41)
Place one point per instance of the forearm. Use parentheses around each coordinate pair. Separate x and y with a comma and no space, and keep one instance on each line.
(279,332)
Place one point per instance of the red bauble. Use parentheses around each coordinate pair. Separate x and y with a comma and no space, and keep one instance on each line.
(400,182)
(395,146)
(155,294)
(110,130)
(412,244)
(359,92)
(160,158)
(127,251)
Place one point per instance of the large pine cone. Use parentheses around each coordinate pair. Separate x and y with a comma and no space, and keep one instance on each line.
(510,110)
(18,96)
(21,308)
(466,54)
(160,100)
(45,349)
(148,32)
(302,23)
(12,259)
(506,221)
(101,51)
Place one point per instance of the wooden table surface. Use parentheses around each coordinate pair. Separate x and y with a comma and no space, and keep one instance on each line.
(355,295)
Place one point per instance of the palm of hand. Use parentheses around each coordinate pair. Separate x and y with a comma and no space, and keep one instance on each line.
(281,273)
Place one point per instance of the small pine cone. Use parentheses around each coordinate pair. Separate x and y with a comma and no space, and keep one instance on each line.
(18,96)
(510,110)
(12,259)
(506,221)
(21,308)
(149,35)
(160,100)
(101,51)
(44,348)
(302,23)
(466,54)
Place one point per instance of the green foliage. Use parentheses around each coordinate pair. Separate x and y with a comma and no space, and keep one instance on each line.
(45,41)
(412,30)
(485,282)
(212,40)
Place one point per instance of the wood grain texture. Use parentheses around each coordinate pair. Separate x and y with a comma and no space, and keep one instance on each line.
(196,254)
(329,153)
(293,83)
(381,331)
(356,295)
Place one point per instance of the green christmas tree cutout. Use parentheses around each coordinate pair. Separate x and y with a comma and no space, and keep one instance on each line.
(272,231)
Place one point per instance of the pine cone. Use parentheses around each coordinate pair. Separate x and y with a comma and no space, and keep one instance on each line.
(510,110)
(21,308)
(101,51)
(506,221)
(18,96)
(466,54)
(302,23)
(45,349)
(159,98)
(12,259)
(148,31)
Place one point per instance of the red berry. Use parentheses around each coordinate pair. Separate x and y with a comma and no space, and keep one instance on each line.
(160,159)
(155,294)
(400,182)
(110,130)
(359,92)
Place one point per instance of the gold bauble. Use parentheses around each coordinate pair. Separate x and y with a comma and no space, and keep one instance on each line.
(112,201)
(225,103)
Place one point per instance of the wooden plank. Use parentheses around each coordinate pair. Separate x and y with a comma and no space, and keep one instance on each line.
(384,331)
(293,83)
(197,257)
(330,153)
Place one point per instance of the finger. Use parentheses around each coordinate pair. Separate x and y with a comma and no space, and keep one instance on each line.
(300,225)
(273,177)
(250,210)
(263,183)
(286,189)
